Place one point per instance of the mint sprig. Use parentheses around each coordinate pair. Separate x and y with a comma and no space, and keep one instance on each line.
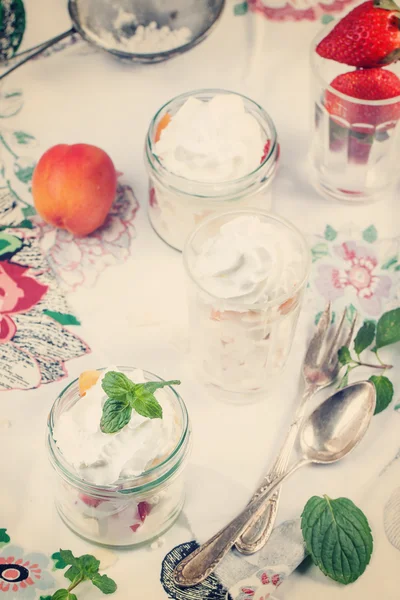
(381,334)
(337,537)
(124,396)
(82,568)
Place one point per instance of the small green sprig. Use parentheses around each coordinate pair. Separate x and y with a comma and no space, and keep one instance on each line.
(381,334)
(124,396)
(337,537)
(82,568)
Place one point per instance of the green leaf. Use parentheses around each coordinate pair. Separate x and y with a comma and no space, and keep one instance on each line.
(116,414)
(388,328)
(365,336)
(23,169)
(389,263)
(325,19)
(67,557)
(9,244)
(350,312)
(23,138)
(4,537)
(146,405)
(11,102)
(62,318)
(58,561)
(64,595)
(319,251)
(45,598)
(240,9)
(330,234)
(370,234)
(345,379)
(384,392)
(152,386)
(89,565)
(116,384)
(338,537)
(344,356)
(104,583)
(28,211)
(73,573)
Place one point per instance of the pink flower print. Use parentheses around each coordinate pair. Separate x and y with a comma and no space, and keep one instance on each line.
(357,275)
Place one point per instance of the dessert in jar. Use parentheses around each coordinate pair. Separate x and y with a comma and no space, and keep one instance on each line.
(246,271)
(207,151)
(118,440)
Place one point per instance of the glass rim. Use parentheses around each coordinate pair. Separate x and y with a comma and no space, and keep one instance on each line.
(210,184)
(234,302)
(137,484)
(316,70)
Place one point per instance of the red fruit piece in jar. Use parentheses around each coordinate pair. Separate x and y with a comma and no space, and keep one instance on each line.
(369,84)
(135,527)
(90,500)
(144,509)
(368,36)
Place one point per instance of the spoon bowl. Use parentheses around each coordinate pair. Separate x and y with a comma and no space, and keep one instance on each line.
(337,426)
(328,434)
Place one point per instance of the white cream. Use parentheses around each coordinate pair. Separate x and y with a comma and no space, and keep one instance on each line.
(211,141)
(248,261)
(103,458)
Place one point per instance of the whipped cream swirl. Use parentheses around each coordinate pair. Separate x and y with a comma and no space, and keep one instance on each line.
(103,458)
(249,261)
(211,141)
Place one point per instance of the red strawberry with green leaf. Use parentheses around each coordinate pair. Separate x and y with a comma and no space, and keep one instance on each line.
(368,36)
(366,84)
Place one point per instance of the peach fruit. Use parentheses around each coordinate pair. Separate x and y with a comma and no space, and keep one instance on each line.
(73,187)
(163,123)
(87,379)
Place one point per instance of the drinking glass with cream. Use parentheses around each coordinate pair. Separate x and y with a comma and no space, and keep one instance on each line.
(247,271)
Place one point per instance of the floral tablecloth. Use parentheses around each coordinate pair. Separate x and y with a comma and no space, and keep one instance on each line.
(50,331)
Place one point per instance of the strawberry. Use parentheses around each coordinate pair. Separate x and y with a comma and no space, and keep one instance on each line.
(144,509)
(369,84)
(368,36)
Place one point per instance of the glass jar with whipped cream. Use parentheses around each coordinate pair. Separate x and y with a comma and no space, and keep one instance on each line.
(123,488)
(247,271)
(207,152)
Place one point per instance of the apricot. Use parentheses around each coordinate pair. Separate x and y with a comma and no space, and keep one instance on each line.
(87,379)
(73,187)
(164,122)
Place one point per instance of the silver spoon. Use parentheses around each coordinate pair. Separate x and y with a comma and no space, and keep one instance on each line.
(332,431)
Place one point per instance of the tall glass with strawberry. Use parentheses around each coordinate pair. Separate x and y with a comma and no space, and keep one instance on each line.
(355,149)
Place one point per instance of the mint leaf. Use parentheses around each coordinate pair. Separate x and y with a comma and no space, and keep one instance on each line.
(146,404)
(63,318)
(384,392)
(344,356)
(116,414)
(73,573)
(338,537)
(152,386)
(58,561)
(365,336)
(63,595)
(68,557)
(388,328)
(104,583)
(89,565)
(117,384)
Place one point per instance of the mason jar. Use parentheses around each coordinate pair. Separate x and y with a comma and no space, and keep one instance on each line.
(131,511)
(178,204)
